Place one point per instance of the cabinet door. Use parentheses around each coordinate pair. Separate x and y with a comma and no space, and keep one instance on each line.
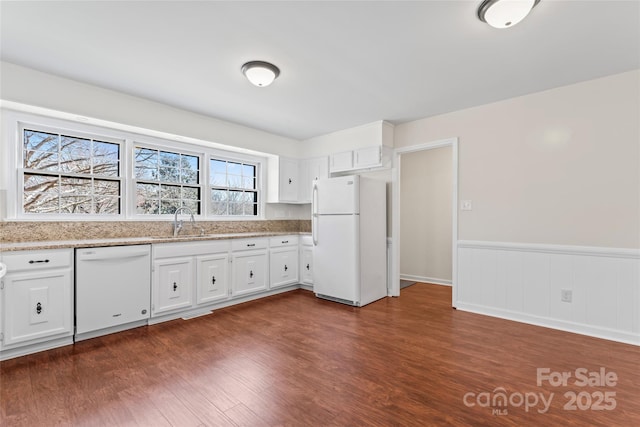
(367,157)
(172,284)
(310,170)
(283,268)
(289,180)
(37,306)
(306,266)
(213,279)
(341,161)
(249,272)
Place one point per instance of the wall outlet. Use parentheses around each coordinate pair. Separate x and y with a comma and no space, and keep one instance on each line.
(465,205)
(566,295)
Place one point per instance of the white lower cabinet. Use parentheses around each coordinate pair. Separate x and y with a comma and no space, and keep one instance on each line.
(213,278)
(36,300)
(249,260)
(173,283)
(187,275)
(284,262)
(306,260)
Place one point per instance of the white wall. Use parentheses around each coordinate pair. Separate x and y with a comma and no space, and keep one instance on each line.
(555,167)
(36,91)
(371,134)
(554,178)
(425,215)
(31,87)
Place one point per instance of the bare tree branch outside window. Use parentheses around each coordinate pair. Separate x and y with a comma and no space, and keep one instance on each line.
(70,175)
(234,188)
(166,181)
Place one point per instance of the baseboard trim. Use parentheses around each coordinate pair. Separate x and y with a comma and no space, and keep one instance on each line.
(12,353)
(423,279)
(576,328)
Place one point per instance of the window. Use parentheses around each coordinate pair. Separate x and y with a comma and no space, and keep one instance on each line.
(66,174)
(166,181)
(65,170)
(233,188)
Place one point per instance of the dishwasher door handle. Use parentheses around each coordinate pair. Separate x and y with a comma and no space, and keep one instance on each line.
(114,256)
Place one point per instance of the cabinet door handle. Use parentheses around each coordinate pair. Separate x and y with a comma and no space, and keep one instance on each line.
(285,267)
(38,308)
(175,286)
(38,261)
(250,244)
(213,280)
(285,241)
(250,274)
(307,267)
(290,181)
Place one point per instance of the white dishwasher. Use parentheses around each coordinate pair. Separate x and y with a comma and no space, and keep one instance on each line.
(113,289)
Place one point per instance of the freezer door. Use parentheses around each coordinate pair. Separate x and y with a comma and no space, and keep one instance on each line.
(336,267)
(337,196)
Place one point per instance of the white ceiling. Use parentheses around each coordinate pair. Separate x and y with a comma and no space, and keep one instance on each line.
(342,64)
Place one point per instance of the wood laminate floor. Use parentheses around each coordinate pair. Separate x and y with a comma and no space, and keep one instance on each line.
(294,360)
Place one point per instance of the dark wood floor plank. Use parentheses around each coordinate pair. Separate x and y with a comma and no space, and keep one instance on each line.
(295,360)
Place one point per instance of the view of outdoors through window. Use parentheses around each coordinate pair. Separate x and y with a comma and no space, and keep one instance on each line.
(166,181)
(66,174)
(233,188)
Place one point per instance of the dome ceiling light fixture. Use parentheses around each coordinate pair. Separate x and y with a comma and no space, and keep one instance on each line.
(260,73)
(505,13)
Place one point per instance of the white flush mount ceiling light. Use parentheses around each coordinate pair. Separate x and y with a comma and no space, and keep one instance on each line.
(505,13)
(260,73)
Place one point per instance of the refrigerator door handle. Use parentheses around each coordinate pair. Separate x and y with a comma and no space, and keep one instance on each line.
(314,214)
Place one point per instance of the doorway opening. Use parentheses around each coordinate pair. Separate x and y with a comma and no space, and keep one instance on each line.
(405,235)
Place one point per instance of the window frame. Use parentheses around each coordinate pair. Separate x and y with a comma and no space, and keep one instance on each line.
(259,193)
(64,131)
(13,171)
(155,146)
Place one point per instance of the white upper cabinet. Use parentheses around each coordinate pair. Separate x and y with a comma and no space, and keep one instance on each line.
(362,158)
(341,161)
(310,170)
(367,157)
(290,180)
(283,180)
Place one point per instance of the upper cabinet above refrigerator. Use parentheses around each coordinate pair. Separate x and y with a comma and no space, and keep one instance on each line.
(290,180)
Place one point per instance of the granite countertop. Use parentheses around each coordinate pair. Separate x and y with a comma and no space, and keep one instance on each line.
(93,243)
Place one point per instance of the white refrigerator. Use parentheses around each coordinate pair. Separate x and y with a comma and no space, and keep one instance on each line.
(349,230)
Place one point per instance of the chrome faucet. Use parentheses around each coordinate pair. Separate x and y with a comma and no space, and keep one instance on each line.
(177,225)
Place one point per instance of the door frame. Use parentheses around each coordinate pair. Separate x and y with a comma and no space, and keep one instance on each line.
(394,289)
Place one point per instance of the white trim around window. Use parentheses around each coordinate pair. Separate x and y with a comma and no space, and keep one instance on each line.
(13,170)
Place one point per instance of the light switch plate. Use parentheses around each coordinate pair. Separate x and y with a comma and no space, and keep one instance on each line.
(465,205)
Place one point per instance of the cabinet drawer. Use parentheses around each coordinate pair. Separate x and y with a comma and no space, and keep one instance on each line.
(276,242)
(248,244)
(37,260)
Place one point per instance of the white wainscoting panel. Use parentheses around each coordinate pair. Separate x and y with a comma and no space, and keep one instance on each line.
(524,282)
